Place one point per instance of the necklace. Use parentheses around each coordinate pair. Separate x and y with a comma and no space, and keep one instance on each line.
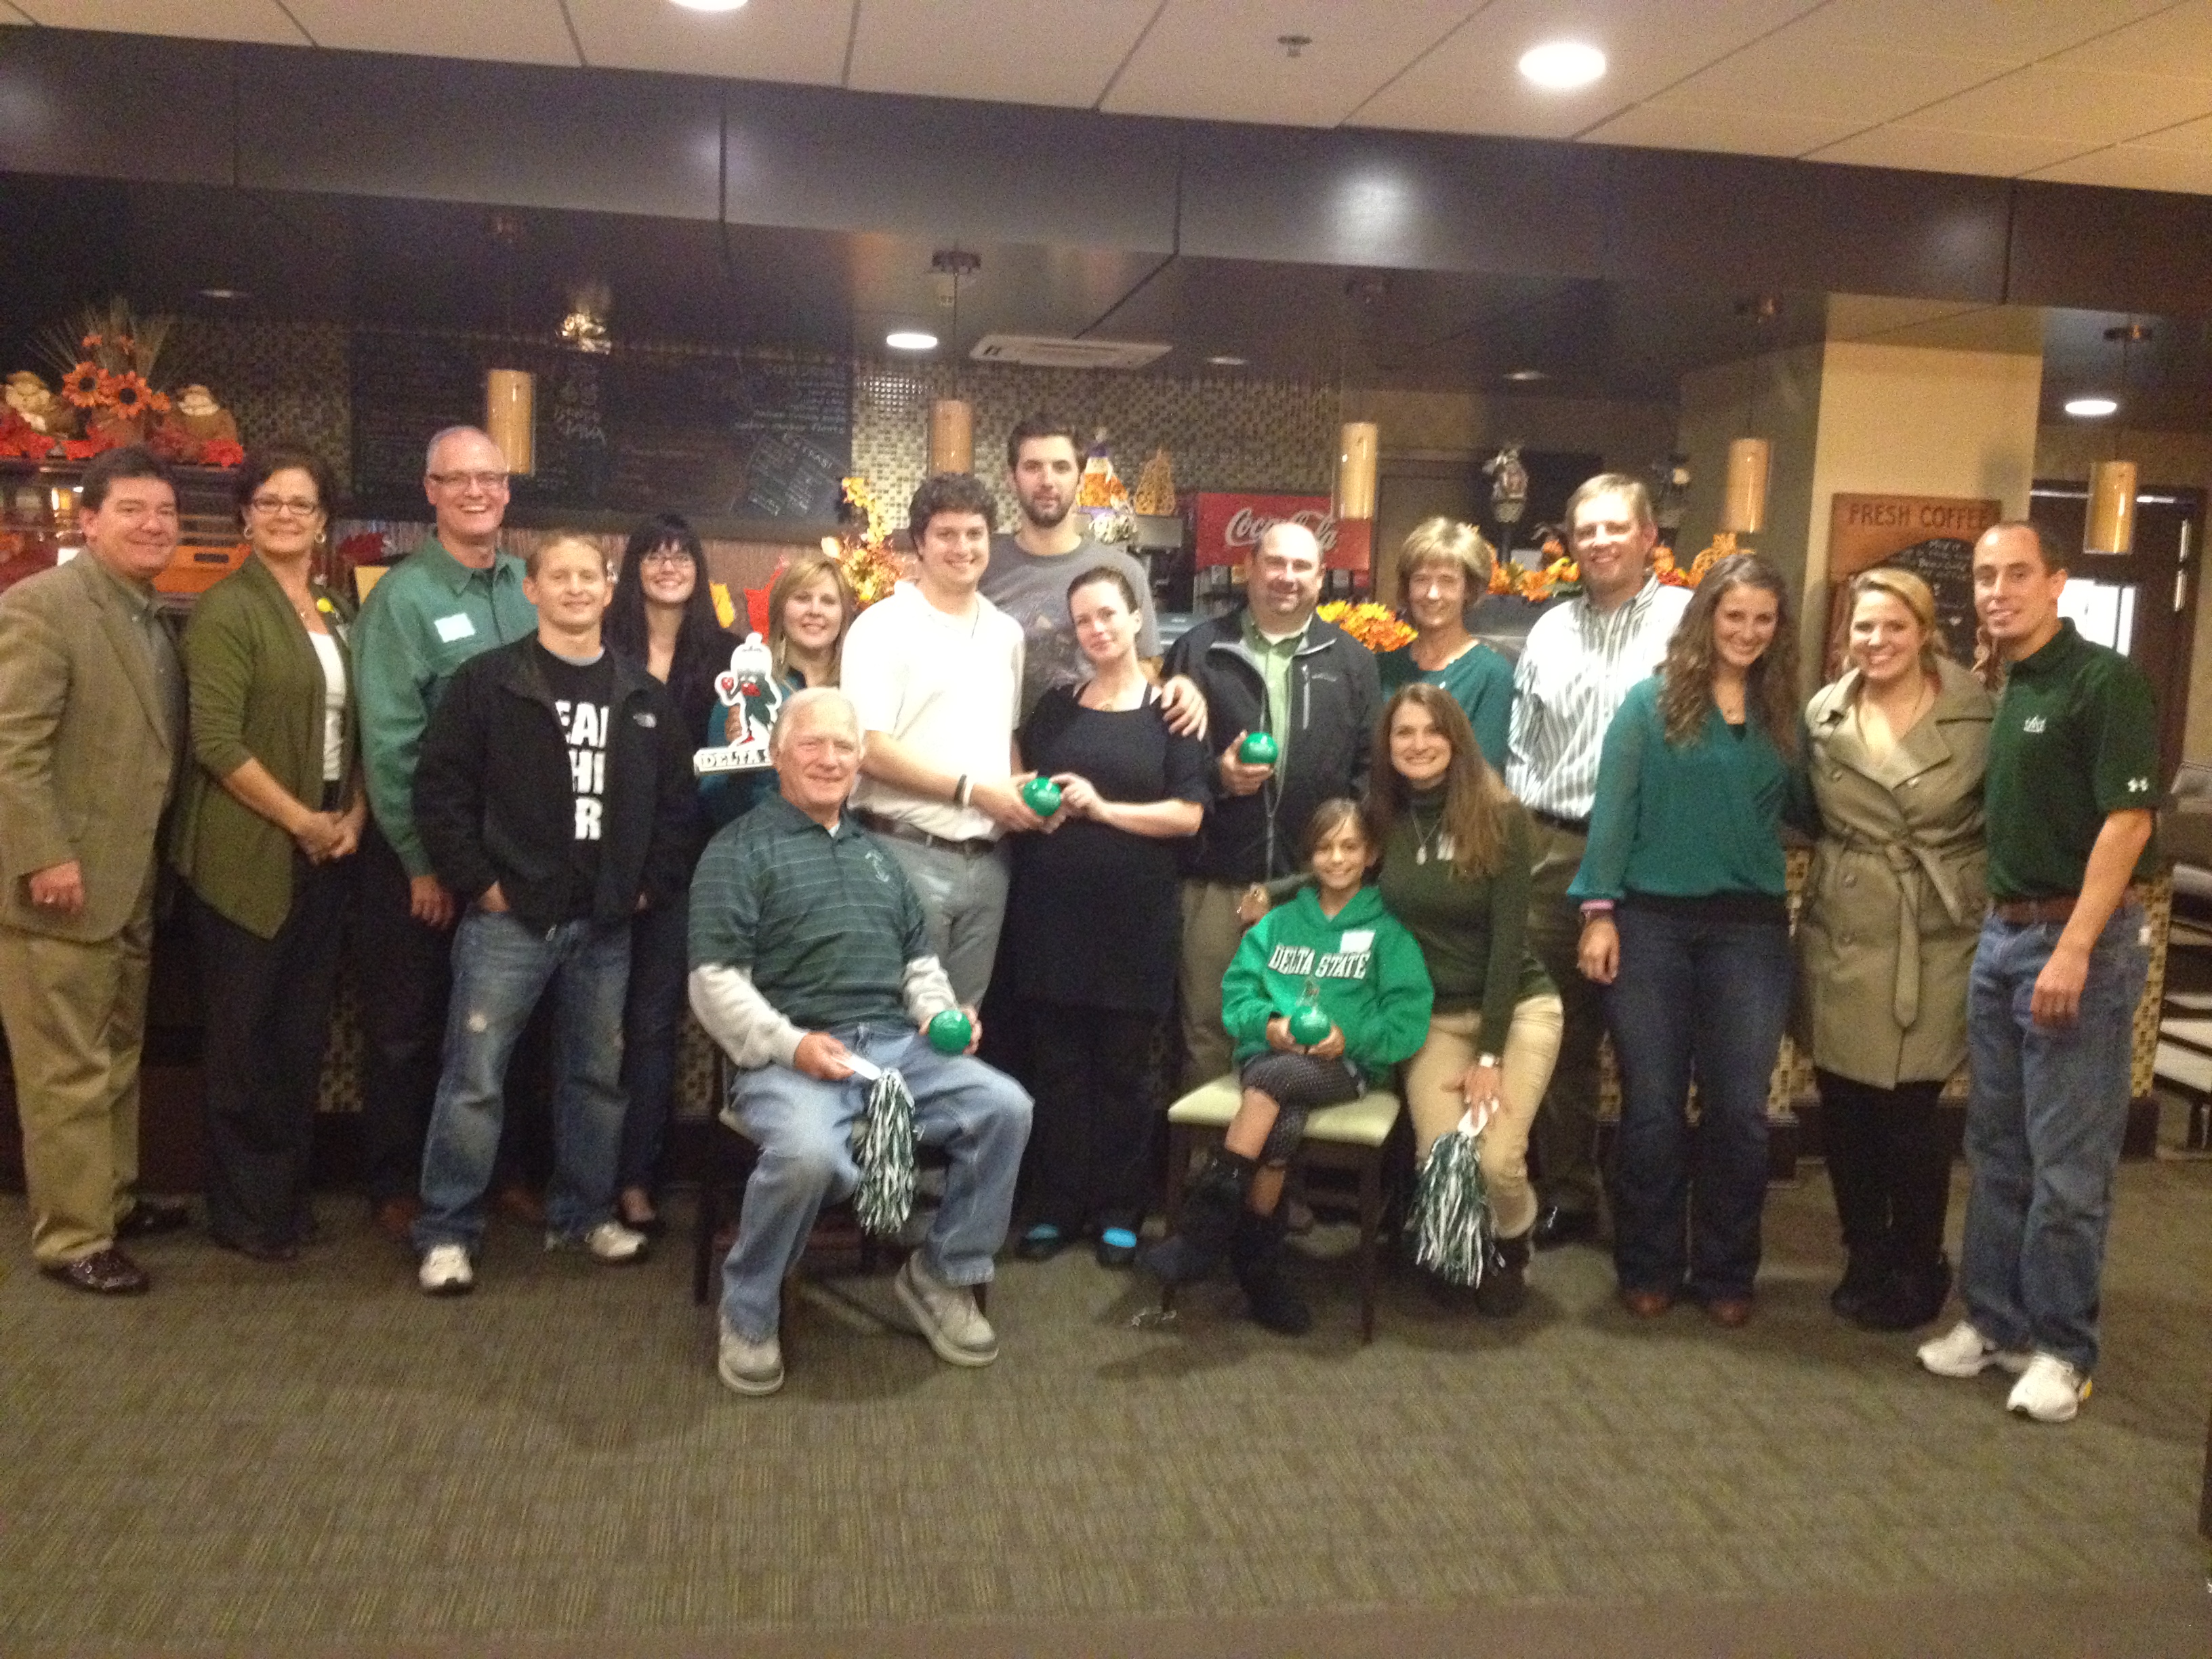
(1435,836)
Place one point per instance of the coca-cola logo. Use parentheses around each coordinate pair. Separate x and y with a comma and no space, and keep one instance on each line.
(1246,526)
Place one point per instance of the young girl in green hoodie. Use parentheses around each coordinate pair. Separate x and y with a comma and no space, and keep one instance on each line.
(1334,947)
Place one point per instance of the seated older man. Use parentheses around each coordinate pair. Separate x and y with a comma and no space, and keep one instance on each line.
(809,950)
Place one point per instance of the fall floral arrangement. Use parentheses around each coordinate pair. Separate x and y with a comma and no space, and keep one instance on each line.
(1378,627)
(108,398)
(1556,574)
(864,548)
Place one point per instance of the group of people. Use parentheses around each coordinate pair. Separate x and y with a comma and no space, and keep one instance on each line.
(1436,870)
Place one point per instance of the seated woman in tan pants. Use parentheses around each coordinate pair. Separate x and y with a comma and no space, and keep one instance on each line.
(1455,870)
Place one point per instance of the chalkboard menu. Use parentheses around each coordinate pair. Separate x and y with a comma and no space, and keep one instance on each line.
(630,431)
(1931,536)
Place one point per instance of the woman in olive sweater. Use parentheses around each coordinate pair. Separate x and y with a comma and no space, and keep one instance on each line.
(267,817)
(1686,924)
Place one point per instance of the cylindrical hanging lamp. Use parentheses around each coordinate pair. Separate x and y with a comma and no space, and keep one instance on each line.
(1355,469)
(1743,500)
(511,417)
(2111,523)
(951,435)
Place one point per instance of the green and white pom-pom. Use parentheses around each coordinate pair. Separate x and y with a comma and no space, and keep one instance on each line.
(882,1146)
(1452,1225)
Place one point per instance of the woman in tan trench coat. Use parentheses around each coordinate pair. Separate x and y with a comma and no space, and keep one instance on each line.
(1895,752)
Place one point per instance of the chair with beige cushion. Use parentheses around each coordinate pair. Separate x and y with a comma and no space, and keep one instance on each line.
(1355,1139)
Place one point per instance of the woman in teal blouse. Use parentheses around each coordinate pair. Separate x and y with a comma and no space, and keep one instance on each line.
(1443,568)
(1686,924)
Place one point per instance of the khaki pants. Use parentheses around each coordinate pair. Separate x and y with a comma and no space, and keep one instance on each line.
(1565,1135)
(1434,1101)
(75,1016)
(1210,934)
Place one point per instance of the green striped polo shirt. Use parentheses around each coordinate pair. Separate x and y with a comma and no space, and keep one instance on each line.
(824,919)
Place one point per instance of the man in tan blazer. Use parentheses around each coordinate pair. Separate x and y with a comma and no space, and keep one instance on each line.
(92,704)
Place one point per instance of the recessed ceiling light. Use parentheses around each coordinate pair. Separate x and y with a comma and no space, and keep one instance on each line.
(1562,65)
(910,339)
(711,5)
(1225,361)
(222,293)
(2092,408)
(1525,375)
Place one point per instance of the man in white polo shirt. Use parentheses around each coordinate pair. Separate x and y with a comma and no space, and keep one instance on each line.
(936,673)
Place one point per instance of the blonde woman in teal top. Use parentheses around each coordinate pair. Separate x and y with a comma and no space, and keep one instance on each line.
(1686,925)
(1444,566)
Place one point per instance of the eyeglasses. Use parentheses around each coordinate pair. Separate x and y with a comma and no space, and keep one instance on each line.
(666,557)
(487,482)
(300,506)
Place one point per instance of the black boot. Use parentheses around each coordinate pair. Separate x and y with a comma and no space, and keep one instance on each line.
(1194,1250)
(1255,1254)
(1504,1288)
(1866,1280)
(1913,1297)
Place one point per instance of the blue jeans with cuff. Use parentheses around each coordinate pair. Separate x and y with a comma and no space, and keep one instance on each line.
(804,1127)
(501,969)
(2044,1128)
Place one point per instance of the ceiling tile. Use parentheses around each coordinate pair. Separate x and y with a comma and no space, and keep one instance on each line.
(2015,31)
(1022,52)
(795,41)
(2177,42)
(1220,59)
(1931,150)
(1472,82)
(2192,137)
(1784,75)
(2085,107)
(2133,166)
(1671,126)
(504,31)
(206,20)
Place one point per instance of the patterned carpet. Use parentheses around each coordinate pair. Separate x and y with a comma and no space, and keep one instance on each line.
(319,1460)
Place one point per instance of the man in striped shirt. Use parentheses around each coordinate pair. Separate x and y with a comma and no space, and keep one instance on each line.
(1580,661)
(812,967)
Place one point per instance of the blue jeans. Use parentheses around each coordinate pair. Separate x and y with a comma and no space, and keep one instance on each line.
(652,1033)
(803,1127)
(2043,1127)
(501,969)
(1705,998)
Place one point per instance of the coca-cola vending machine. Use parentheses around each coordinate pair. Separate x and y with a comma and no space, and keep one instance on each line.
(1226,524)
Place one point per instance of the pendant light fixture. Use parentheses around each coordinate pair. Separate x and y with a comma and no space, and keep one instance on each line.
(2110,524)
(511,394)
(952,420)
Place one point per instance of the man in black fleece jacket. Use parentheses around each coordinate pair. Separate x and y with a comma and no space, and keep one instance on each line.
(553,795)
(1274,667)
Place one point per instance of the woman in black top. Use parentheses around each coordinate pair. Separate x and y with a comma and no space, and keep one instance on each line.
(663,615)
(1091,927)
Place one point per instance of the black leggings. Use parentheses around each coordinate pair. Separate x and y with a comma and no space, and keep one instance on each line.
(1298,1085)
(1889,1163)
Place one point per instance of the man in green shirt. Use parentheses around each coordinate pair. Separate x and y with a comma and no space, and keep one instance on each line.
(2073,763)
(812,967)
(454,597)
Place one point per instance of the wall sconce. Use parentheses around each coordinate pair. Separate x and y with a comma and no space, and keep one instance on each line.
(2111,523)
(1743,499)
(510,417)
(951,435)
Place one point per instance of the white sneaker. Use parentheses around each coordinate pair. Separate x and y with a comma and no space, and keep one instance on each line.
(611,1241)
(946,1315)
(749,1368)
(2051,1391)
(1964,1351)
(445,1271)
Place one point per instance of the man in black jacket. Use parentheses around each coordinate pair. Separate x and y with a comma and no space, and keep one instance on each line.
(553,796)
(1272,667)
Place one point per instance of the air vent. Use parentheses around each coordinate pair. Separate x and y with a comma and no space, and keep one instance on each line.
(1048,351)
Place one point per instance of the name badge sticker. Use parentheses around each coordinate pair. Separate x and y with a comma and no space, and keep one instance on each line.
(454,628)
(1357,938)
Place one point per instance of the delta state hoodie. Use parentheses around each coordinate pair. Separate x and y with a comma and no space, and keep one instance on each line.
(1363,963)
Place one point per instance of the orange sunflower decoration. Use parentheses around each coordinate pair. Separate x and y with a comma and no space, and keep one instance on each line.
(132,397)
(86,384)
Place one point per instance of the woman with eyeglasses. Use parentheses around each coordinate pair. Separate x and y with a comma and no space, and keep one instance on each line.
(267,821)
(663,615)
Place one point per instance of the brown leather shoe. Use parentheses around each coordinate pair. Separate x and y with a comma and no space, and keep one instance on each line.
(104,1273)
(148,1217)
(395,1219)
(1646,1304)
(1732,1311)
(519,1203)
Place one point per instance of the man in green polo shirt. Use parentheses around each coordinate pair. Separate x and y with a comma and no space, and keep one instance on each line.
(2073,764)
(810,960)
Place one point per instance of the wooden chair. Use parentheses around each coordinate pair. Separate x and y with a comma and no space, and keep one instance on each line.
(1355,1139)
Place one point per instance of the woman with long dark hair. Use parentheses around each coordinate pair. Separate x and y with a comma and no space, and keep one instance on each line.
(663,615)
(1686,925)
